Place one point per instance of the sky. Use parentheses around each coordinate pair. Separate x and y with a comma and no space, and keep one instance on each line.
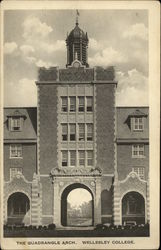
(36,38)
(78,196)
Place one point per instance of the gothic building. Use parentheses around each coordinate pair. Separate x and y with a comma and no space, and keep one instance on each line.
(76,138)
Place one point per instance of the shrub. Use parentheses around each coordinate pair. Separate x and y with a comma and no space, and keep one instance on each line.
(101,227)
(51,226)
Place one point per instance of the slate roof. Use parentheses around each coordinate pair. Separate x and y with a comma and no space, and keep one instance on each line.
(124,130)
(29,126)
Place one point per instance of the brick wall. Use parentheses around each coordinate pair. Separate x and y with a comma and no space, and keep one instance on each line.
(105,127)
(47,195)
(48,127)
(27,163)
(125,162)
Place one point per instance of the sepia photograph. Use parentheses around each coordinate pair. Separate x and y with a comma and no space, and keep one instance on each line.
(80,107)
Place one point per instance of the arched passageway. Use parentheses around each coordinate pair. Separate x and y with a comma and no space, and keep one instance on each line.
(133,208)
(18,206)
(77,208)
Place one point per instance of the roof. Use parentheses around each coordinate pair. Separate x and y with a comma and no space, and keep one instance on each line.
(124,131)
(29,126)
(77,33)
(137,113)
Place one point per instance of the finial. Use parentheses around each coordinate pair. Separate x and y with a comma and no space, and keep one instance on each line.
(77,14)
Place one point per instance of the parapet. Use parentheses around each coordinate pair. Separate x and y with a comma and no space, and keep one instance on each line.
(82,74)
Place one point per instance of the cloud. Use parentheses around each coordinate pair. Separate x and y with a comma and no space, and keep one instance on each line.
(137,30)
(132,88)
(26,49)
(133,78)
(94,45)
(109,56)
(34,27)
(24,90)
(131,96)
(9,48)
(59,45)
(41,63)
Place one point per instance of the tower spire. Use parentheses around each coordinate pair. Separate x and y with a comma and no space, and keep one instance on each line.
(77,14)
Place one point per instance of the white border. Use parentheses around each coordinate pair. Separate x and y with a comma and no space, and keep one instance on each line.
(153,7)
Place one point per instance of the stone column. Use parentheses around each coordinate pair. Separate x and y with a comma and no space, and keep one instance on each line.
(97,202)
(117,220)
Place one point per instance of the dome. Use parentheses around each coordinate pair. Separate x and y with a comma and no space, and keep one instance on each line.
(77,33)
(77,44)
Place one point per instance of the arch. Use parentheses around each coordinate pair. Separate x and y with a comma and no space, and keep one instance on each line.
(133,207)
(18,207)
(65,206)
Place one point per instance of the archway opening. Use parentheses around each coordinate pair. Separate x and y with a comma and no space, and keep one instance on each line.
(77,206)
(133,208)
(18,206)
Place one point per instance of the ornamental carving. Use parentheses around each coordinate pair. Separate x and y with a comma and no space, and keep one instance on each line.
(76,172)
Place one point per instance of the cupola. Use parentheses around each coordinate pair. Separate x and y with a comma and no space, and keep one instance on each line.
(77,45)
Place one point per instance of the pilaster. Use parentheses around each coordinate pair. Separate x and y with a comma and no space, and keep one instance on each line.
(147,203)
(116,202)
(36,202)
(97,203)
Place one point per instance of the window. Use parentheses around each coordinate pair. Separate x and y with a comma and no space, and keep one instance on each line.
(140,171)
(81,158)
(72,132)
(72,104)
(16,151)
(15,171)
(64,158)
(81,132)
(137,123)
(138,151)
(89,132)
(15,124)
(89,104)
(64,132)
(72,158)
(64,104)
(81,104)
(89,158)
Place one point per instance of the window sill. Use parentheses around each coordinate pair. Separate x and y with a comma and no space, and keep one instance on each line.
(15,157)
(138,130)
(138,157)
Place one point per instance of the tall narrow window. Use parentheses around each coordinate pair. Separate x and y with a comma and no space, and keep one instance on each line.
(72,104)
(138,150)
(16,151)
(64,104)
(138,123)
(90,132)
(72,132)
(81,104)
(64,158)
(72,158)
(89,158)
(15,124)
(89,104)
(81,158)
(81,132)
(64,132)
